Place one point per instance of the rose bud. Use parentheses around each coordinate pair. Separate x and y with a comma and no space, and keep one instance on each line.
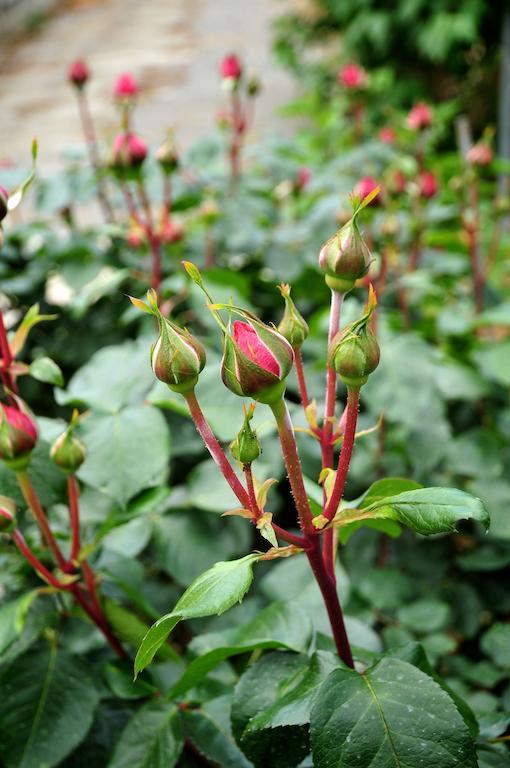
(387,135)
(18,436)
(365,187)
(354,351)
(256,361)
(177,358)
(129,151)
(4,199)
(292,326)
(419,117)
(245,448)
(398,182)
(78,73)
(480,154)
(230,67)
(303,177)
(253,87)
(7,521)
(125,87)
(345,257)
(171,232)
(167,156)
(68,452)
(136,235)
(427,183)
(352,76)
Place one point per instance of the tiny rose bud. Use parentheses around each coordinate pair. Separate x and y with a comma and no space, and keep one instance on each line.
(78,73)
(171,232)
(167,156)
(352,76)
(68,452)
(292,326)
(4,199)
(387,135)
(419,117)
(125,87)
(129,151)
(256,361)
(230,67)
(428,185)
(210,211)
(365,187)
(253,87)
(398,182)
(18,436)
(7,521)
(354,351)
(480,154)
(177,358)
(345,257)
(245,448)
(135,235)
(303,177)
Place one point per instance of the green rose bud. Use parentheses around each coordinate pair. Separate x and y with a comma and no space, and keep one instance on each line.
(245,448)
(167,156)
(354,351)
(292,326)
(256,360)
(345,257)
(18,435)
(68,452)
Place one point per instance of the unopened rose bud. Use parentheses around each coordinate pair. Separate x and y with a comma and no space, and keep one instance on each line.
(428,185)
(256,361)
(129,151)
(365,187)
(18,436)
(230,67)
(171,232)
(68,452)
(387,135)
(345,257)
(303,177)
(352,76)
(397,182)
(354,351)
(210,211)
(136,235)
(292,326)
(253,87)
(245,448)
(7,521)
(419,117)
(125,87)
(4,199)
(78,73)
(177,358)
(480,154)
(167,156)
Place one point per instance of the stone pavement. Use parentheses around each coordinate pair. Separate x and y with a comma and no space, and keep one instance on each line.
(173,47)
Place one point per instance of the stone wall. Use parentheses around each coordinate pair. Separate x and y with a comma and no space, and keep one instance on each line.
(16,15)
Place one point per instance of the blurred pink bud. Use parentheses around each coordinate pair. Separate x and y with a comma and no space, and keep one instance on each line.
(387,135)
(399,182)
(365,186)
(126,86)
(352,76)
(129,150)
(4,199)
(480,154)
(420,117)
(230,67)
(428,184)
(18,433)
(171,232)
(303,177)
(78,73)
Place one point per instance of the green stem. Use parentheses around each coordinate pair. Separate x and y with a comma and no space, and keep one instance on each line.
(293,465)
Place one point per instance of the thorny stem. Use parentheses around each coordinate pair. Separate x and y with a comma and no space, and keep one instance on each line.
(154,240)
(345,453)
(329,407)
(74,516)
(89,133)
(300,375)
(254,506)
(36,564)
(6,355)
(99,620)
(35,506)
(292,463)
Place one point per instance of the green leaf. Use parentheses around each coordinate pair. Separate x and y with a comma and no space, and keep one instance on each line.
(280,625)
(46,370)
(46,708)
(121,683)
(496,644)
(214,592)
(151,739)
(427,615)
(12,618)
(212,742)
(426,510)
(127,452)
(391,716)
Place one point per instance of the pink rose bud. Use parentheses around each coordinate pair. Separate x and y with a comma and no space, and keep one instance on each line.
(230,67)
(420,117)
(129,150)
(365,186)
(171,232)
(399,182)
(78,73)
(427,182)
(18,436)
(4,199)
(387,135)
(256,361)
(7,521)
(480,154)
(352,76)
(126,87)
(303,177)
